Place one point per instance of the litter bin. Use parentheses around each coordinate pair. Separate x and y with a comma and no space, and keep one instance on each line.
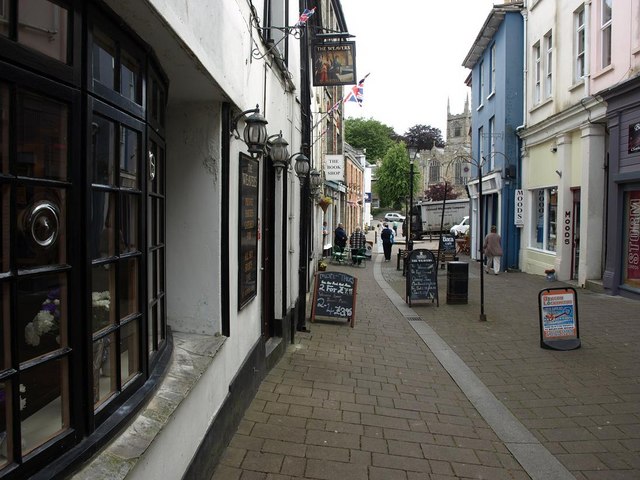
(457,282)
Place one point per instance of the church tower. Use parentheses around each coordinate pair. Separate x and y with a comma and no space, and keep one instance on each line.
(459,127)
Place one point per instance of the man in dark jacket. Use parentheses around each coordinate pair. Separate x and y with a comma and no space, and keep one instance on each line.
(387,241)
(340,239)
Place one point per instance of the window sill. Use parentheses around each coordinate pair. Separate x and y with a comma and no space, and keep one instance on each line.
(636,50)
(541,104)
(491,95)
(192,356)
(602,72)
(577,85)
(480,107)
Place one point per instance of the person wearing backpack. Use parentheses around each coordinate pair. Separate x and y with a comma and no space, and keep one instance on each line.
(387,241)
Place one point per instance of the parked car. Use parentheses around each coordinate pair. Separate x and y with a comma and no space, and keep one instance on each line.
(461,229)
(393,217)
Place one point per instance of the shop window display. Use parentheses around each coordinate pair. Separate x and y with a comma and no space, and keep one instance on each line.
(544,218)
(72,305)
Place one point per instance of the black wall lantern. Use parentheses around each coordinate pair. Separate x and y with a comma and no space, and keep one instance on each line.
(255,131)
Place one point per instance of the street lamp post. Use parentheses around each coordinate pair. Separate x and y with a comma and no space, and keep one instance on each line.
(479,164)
(483,316)
(413,154)
(444,205)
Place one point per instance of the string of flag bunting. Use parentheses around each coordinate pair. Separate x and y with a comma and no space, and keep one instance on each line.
(355,94)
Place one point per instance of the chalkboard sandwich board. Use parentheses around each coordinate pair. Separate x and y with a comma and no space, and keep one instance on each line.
(448,244)
(334,296)
(422,276)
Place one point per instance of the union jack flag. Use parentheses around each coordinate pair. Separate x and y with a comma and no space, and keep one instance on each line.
(304,16)
(357,92)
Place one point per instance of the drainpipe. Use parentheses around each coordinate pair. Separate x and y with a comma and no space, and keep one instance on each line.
(305,110)
(587,50)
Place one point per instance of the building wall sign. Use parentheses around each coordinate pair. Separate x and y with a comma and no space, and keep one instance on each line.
(248,230)
(334,168)
(634,137)
(632,262)
(518,213)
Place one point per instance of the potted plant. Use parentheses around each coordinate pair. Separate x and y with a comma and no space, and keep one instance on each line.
(551,274)
(322,265)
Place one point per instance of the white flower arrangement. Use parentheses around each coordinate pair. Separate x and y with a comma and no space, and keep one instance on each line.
(100,303)
(47,320)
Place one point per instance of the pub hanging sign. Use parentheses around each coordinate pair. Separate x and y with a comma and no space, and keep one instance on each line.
(334,63)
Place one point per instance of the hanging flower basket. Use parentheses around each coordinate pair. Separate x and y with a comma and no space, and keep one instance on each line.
(324,202)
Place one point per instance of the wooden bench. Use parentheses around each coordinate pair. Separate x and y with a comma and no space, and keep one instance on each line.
(358,255)
(338,257)
(444,257)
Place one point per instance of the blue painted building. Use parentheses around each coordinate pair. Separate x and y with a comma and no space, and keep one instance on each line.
(496,61)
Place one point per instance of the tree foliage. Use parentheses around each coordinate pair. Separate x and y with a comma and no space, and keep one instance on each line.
(436,191)
(369,134)
(424,136)
(393,177)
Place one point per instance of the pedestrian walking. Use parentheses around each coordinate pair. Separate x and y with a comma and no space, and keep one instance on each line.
(492,249)
(357,242)
(387,237)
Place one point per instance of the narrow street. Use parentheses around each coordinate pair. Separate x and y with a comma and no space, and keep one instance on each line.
(431,392)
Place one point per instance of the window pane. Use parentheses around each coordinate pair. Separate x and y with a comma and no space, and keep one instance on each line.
(129,223)
(151,327)
(129,287)
(104,58)
(4,127)
(44,403)
(5,418)
(42,137)
(42,315)
(103,220)
(552,216)
(606,46)
(5,318)
(606,10)
(129,157)
(104,369)
(44,26)
(103,138)
(130,78)
(5,227)
(538,218)
(103,289)
(5,15)
(129,351)
(156,185)
(41,226)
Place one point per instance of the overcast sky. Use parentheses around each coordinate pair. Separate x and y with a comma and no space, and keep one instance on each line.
(413,50)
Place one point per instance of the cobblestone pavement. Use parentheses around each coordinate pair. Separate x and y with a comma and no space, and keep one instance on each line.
(445,395)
